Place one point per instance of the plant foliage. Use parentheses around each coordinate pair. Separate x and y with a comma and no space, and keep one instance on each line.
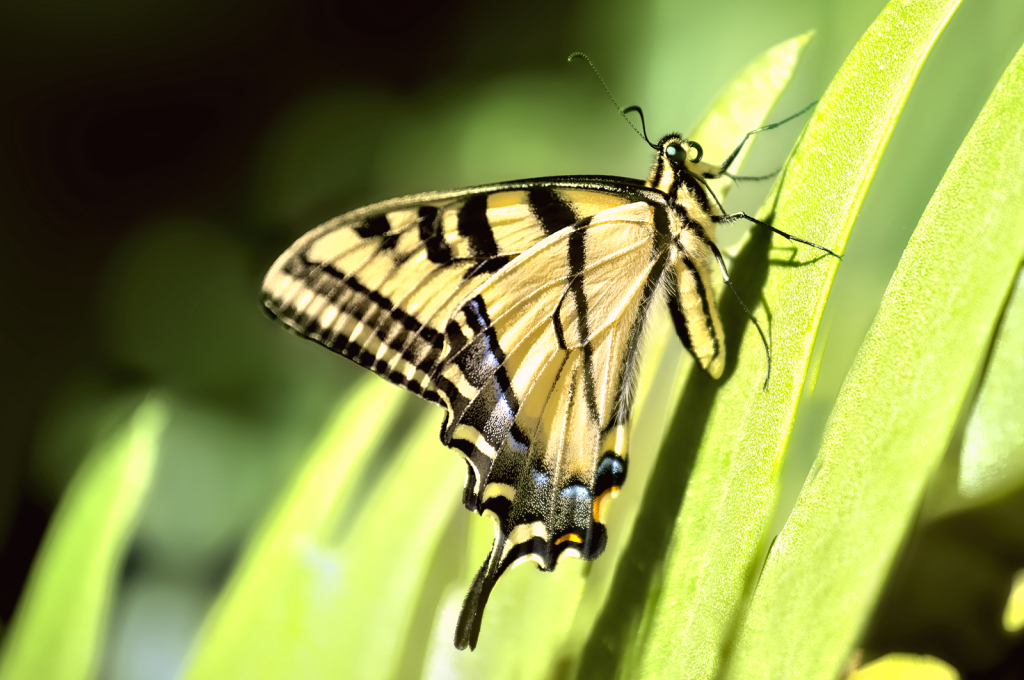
(692,583)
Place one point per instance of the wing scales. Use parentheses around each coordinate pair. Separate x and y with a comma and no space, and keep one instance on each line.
(516,303)
(541,414)
(379,284)
(520,310)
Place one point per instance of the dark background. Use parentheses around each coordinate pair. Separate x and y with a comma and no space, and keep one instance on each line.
(155,158)
(115,112)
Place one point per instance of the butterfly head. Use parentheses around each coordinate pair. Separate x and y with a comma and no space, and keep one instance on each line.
(680,152)
(677,158)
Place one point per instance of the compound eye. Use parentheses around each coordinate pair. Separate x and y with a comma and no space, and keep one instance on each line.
(676,153)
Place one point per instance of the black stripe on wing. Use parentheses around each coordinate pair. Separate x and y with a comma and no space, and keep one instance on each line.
(474,225)
(418,344)
(569,513)
(339,287)
(550,209)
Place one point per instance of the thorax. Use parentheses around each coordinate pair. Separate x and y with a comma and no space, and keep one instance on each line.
(690,207)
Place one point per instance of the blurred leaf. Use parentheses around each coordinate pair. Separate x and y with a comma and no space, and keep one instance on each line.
(992,460)
(309,600)
(1013,615)
(906,667)
(898,407)
(218,474)
(59,626)
(527,624)
(314,159)
(734,434)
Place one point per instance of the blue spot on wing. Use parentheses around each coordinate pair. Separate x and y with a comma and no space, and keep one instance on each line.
(576,492)
(540,478)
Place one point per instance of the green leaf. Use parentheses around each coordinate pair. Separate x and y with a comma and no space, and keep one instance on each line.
(732,435)
(1013,612)
(906,667)
(898,407)
(526,622)
(741,106)
(530,610)
(992,459)
(329,585)
(59,627)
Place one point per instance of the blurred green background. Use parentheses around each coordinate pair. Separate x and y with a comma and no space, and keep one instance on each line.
(155,158)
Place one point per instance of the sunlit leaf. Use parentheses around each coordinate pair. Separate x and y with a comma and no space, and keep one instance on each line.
(1013,614)
(898,407)
(328,587)
(992,459)
(906,667)
(60,624)
(733,433)
(742,106)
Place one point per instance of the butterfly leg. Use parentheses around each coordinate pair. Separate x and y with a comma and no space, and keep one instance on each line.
(731,158)
(732,217)
(757,324)
(751,178)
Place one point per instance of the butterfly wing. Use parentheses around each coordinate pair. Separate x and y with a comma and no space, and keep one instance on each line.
(538,383)
(379,284)
(519,307)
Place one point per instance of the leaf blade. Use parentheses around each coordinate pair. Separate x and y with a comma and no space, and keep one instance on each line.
(734,486)
(294,604)
(60,623)
(743,105)
(881,445)
(992,460)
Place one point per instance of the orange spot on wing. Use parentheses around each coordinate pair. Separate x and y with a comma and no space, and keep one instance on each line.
(601,501)
(569,537)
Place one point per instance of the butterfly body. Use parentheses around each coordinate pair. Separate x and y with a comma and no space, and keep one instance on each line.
(519,307)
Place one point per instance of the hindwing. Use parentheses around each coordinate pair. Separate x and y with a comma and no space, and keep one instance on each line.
(542,363)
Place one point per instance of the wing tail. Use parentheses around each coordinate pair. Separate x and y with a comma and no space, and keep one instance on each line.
(467,631)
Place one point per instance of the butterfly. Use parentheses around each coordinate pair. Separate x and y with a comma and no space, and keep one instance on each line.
(520,308)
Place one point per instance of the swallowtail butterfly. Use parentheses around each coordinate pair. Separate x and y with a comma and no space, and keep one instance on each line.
(520,307)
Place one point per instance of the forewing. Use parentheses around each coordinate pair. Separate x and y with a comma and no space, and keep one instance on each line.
(379,284)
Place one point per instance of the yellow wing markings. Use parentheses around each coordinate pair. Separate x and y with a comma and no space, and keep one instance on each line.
(569,448)
(546,263)
(528,347)
(385,252)
(522,287)
(517,310)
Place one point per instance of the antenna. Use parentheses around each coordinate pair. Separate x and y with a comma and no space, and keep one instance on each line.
(643,123)
(622,112)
